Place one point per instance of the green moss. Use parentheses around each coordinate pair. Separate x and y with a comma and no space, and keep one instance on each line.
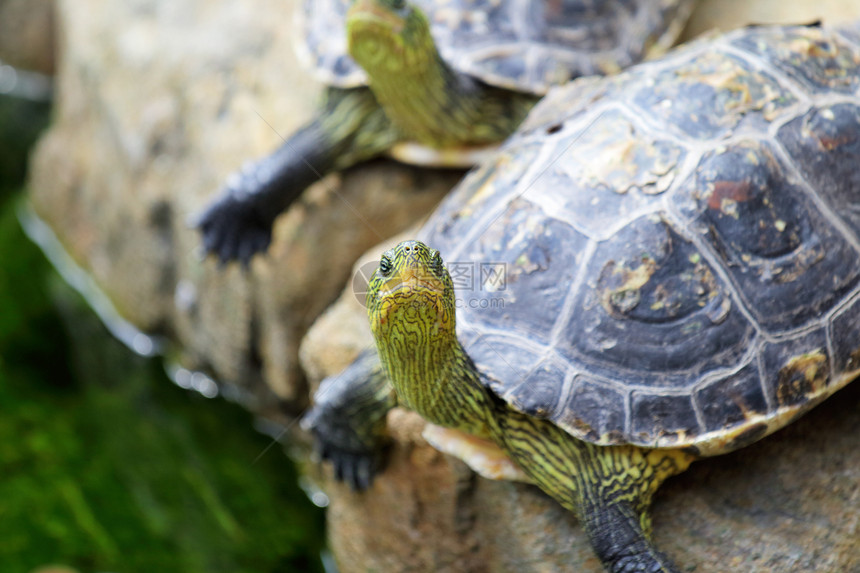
(105,465)
(21,121)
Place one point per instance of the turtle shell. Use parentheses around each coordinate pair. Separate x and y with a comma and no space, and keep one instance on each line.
(670,257)
(517,44)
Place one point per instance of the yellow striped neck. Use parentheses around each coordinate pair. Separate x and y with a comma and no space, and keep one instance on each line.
(439,382)
(412,317)
(427,100)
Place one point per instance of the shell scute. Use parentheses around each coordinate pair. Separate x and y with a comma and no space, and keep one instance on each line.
(657,310)
(611,172)
(712,94)
(844,336)
(504,360)
(796,369)
(732,400)
(803,376)
(771,238)
(540,393)
(662,419)
(824,144)
(594,410)
(523,255)
(822,62)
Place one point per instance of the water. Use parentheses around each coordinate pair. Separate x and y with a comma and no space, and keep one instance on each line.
(105,464)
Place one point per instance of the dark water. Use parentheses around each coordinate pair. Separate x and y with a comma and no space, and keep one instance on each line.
(106,465)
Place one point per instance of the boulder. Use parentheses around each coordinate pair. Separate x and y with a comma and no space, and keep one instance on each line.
(159,102)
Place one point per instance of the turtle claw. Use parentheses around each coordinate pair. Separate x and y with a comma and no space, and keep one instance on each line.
(355,462)
(355,469)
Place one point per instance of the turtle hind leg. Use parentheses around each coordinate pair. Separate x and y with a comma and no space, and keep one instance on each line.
(608,487)
(350,128)
(615,491)
(619,540)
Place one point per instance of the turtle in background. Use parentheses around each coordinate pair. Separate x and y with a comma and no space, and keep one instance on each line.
(681,254)
(430,82)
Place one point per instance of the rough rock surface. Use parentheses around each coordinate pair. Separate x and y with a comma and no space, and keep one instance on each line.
(159,101)
(788,503)
(27,34)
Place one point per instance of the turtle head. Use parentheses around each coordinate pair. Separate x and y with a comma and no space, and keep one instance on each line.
(386,36)
(410,298)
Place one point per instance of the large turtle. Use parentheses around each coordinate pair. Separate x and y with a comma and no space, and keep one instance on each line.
(431,98)
(681,256)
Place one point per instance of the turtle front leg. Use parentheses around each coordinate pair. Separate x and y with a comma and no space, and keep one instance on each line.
(348,420)
(350,128)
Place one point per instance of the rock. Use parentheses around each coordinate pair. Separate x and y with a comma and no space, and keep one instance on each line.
(27,34)
(159,101)
(788,503)
(725,15)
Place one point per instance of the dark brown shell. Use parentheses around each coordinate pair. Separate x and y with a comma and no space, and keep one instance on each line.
(524,45)
(679,244)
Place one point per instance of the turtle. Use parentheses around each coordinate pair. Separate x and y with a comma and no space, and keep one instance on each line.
(657,267)
(438,83)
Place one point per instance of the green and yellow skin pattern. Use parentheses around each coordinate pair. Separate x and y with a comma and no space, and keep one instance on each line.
(411,307)
(413,96)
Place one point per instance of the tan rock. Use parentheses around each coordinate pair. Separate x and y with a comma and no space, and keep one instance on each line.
(160,101)
(27,34)
(725,15)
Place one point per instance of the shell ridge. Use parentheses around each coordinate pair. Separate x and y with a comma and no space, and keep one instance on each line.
(767,66)
(706,250)
(762,378)
(832,218)
(717,442)
(569,304)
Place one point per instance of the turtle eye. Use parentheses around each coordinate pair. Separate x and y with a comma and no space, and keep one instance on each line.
(385,266)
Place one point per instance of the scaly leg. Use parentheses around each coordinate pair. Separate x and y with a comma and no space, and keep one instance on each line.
(608,487)
(349,129)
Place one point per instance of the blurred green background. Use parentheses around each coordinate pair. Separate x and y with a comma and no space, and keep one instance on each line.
(106,465)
